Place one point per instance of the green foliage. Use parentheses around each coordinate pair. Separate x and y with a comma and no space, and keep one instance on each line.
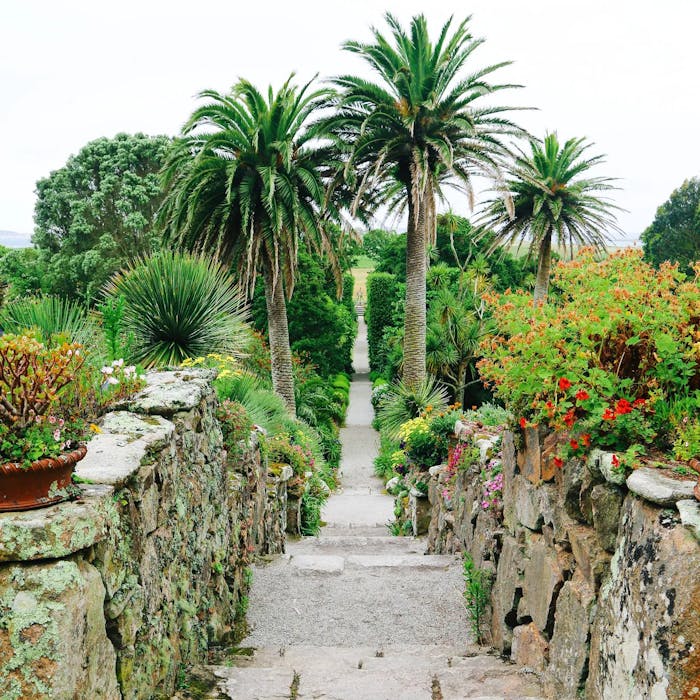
(22,272)
(236,427)
(612,358)
(381,295)
(118,342)
(179,306)
(97,213)
(374,243)
(321,326)
(53,319)
(403,403)
(675,232)
(477,593)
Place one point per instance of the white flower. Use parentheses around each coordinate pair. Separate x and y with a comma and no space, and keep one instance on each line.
(118,363)
(107,370)
(128,371)
(112,380)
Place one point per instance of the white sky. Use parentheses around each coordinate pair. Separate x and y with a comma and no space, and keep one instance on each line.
(623,73)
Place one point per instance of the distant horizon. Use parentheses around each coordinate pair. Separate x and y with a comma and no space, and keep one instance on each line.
(18,239)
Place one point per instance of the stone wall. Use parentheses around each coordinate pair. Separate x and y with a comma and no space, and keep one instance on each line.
(594,584)
(110,595)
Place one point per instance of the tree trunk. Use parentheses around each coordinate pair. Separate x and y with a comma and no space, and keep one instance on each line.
(544,267)
(280,353)
(416,267)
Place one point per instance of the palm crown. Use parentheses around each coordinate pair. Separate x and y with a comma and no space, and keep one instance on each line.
(553,196)
(244,181)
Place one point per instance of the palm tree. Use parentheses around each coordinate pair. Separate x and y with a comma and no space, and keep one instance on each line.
(552,196)
(420,127)
(245,183)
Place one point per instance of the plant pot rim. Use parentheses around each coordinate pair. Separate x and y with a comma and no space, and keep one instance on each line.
(71,457)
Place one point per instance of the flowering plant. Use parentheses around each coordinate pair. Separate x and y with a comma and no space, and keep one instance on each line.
(606,359)
(32,381)
(492,489)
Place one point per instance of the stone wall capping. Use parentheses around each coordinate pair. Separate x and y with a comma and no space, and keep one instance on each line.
(174,391)
(652,485)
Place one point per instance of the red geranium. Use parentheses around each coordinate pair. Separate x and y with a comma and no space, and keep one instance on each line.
(523,423)
(574,444)
(615,461)
(564,384)
(569,418)
(639,403)
(582,395)
(622,407)
(609,414)
(558,462)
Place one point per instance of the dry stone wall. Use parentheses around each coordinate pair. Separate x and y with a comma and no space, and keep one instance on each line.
(596,579)
(108,596)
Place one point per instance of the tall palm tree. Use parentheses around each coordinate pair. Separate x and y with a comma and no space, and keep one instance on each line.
(421,126)
(552,196)
(245,183)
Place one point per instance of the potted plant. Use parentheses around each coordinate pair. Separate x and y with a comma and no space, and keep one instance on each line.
(40,443)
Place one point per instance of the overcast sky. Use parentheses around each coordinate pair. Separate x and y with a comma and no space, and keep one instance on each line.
(623,73)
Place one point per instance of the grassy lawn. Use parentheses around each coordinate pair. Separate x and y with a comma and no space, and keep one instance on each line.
(362,268)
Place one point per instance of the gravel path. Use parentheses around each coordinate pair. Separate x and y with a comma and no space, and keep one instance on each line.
(355,614)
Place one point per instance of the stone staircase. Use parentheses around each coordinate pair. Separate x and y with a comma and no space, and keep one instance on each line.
(355,614)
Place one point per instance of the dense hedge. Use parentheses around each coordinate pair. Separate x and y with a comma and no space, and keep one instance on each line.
(381,295)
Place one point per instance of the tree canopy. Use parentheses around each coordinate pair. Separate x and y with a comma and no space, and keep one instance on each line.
(96,213)
(675,232)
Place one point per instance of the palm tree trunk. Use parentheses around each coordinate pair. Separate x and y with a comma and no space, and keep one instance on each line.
(278,331)
(544,267)
(416,267)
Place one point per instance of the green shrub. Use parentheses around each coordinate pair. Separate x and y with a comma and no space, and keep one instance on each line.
(381,295)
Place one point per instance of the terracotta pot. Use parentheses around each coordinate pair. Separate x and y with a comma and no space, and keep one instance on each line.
(41,484)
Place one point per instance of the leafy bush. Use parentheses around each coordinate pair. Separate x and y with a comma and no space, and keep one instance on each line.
(381,295)
(611,355)
(179,306)
(236,427)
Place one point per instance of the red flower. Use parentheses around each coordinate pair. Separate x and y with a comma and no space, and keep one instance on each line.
(523,423)
(574,444)
(639,403)
(564,384)
(615,461)
(623,406)
(586,439)
(609,414)
(582,395)
(558,462)
(569,418)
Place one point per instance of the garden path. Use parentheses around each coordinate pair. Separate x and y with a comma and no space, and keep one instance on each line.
(355,614)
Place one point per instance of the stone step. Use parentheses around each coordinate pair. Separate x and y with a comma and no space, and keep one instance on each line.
(336,564)
(371,673)
(353,543)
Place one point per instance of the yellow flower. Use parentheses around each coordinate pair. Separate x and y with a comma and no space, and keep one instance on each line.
(95,428)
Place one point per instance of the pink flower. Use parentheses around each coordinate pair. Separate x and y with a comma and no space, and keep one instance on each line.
(57,435)
(52,419)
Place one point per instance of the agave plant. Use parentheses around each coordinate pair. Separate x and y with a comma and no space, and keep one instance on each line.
(178,305)
(402,402)
(51,318)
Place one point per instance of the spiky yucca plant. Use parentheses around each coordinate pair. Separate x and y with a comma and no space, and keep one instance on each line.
(402,402)
(179,305)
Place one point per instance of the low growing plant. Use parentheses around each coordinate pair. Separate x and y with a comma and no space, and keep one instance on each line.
(477,592)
